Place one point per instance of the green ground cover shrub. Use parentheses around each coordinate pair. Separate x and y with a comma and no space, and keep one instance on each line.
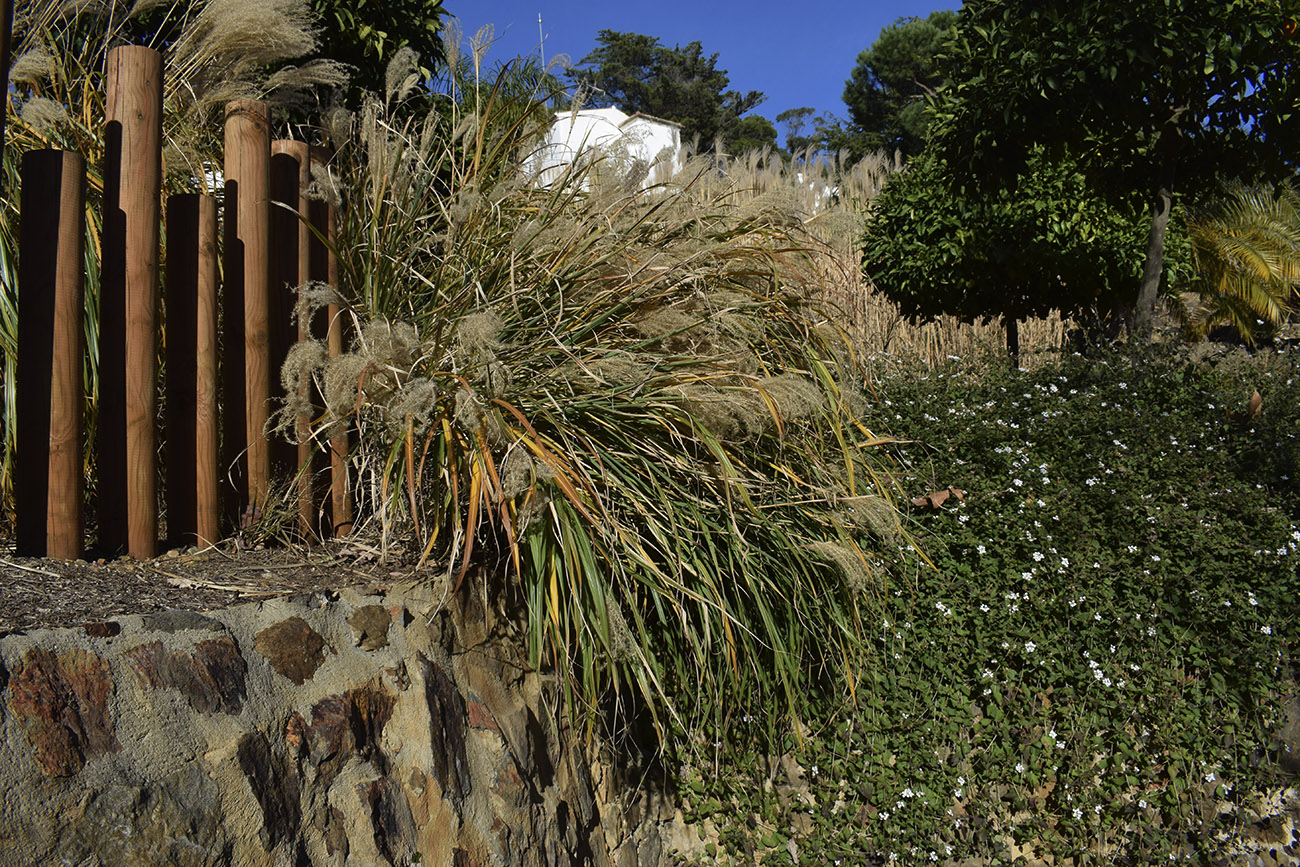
(1096,664)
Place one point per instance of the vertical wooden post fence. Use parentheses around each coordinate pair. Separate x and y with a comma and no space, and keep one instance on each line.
(247,274)
(290,175)
(192,501)
(325,268)
(49,480)
(129,302)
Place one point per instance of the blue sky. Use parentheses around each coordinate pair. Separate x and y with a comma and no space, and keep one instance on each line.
(797,53)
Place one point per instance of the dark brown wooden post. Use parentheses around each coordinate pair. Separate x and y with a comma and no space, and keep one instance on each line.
(192,506)
(129,305)
(325,268)
(49,483)
(247,274)
(291,175)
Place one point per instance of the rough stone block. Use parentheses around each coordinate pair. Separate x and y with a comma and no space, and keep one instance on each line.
(293,648)
(370,626)
(211,679)
(62,701)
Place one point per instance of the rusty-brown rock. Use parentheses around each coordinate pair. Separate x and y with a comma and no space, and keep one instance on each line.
(347,725)
(211,679)
(102,629)
(62,701)
(293,648)
(370,626)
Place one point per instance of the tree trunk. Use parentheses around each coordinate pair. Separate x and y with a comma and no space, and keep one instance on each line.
(1013,339)
(1162,203)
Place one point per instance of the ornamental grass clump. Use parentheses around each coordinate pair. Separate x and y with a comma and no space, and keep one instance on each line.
(625,417)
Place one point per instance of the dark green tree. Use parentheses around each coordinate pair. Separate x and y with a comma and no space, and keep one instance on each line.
(365,34)
(794,120)
(887,90)
(636,73)
(1045,243)
(752,133)
(1143,95)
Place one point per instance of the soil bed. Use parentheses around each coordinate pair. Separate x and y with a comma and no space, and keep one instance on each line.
(43,593)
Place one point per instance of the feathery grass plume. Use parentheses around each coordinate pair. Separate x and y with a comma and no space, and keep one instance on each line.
(33,66)
(872,513)
(417,402)
(794,396)
(390,344)
(342,383)
(516,473)
(733,415)
(402,74)
(44,116)
(850,563)
(302,363)
(313,297)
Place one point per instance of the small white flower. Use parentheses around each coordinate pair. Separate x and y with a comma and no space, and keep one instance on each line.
(1267,630)
(1030,646)
(980,549)
(1209,777)
(1020,767)
(1078,813)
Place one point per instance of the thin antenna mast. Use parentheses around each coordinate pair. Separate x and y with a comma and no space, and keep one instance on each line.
(541,39)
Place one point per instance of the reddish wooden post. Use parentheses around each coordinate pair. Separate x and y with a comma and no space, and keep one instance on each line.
(247,273)
(49,481)
(290,176)
(129,308)
(325,268)
(192,507)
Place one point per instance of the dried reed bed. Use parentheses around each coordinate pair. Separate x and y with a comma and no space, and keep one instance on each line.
(832,198)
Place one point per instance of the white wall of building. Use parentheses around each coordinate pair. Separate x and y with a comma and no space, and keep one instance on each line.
(638,147)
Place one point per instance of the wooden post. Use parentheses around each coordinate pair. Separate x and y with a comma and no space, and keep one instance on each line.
(325,268)
(247,273)
(290,176)
(129,307)
(192,507)
(49,483)
(307,329)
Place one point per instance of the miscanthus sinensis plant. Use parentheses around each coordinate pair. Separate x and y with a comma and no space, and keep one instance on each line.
(625,417)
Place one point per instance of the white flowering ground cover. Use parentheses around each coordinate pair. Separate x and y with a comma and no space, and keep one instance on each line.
(1095,663)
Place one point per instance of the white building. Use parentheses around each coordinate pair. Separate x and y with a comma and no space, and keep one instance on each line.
(642,149)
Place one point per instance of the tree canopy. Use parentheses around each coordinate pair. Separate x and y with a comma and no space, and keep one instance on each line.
(886,92)
(365,34)
(636,73)
(1140,94)
(1045,243)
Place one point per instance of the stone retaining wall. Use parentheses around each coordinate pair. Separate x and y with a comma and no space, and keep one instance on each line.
(347,729)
